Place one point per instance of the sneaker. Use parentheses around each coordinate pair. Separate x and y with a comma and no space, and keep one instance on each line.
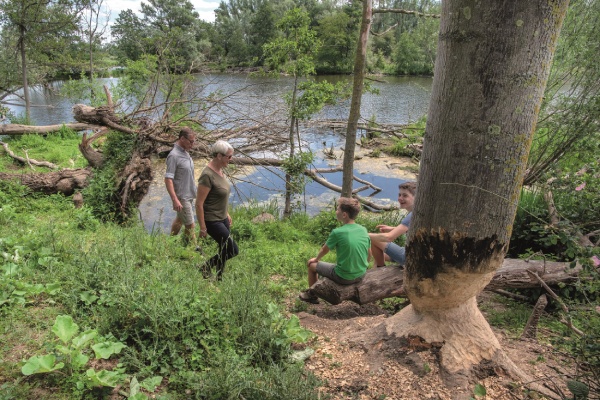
(309,298)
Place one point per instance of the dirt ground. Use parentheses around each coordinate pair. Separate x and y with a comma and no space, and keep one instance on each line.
(351,372)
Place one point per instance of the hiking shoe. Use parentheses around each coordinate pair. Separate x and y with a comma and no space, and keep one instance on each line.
(309,298)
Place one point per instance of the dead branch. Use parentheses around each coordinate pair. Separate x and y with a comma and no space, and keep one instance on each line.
(549,198)
(530,330)
(28,161)
(568,321)
(401,11)
(93,157)
(17,129)
(511,295)
(384,32)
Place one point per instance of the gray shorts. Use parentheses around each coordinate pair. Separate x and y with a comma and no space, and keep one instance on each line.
(328,270)
(186,215)
(396,253)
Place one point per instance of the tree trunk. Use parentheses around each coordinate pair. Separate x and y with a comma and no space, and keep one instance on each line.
(490,74)
(65,181)
(22,50)
(287,209)
(354,115)
(381,283)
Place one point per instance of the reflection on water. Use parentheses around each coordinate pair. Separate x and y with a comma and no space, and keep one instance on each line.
(400,100)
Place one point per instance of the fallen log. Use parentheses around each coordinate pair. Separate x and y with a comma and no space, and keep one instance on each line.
(17,129)
(384,282)
(65,181)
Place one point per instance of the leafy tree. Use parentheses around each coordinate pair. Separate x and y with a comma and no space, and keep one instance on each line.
(294,54)
(338,31)
(262,29)
(169,29)
(414,53)
(568,134)
(43,29)
(129,36)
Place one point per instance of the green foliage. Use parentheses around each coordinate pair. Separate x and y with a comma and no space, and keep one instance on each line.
(58,147)
(293,53)
(101,194)
(415,50)
(71,355)
(479,390)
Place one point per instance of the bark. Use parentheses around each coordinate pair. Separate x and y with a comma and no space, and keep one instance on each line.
(491,69)
(16,129)
(380,283)
(357,87)
(66,181)
(530,330)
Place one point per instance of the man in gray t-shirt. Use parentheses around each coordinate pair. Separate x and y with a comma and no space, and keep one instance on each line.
(181,184)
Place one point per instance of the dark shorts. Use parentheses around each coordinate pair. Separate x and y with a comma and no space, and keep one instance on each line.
(328,270)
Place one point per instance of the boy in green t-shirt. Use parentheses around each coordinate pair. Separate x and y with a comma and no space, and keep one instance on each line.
(352,245)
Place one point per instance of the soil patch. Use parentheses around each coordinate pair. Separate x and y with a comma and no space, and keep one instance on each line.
(349,371)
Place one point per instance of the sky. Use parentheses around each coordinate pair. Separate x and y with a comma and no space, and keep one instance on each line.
(204,7)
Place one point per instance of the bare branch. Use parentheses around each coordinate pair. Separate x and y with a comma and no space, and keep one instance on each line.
(402,11)
(28,160)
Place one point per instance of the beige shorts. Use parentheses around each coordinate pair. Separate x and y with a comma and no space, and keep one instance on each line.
(186,215)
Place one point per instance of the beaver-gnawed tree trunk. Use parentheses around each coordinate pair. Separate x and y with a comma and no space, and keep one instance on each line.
(491,69)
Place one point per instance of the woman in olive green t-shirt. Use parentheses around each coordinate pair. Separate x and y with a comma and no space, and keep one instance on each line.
(212,202)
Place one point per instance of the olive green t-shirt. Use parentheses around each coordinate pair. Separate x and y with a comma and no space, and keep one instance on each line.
(217,200)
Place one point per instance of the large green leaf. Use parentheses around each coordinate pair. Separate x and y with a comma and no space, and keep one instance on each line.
(107,349)
(104,378)
(80,341)
(65,328)
(41,364)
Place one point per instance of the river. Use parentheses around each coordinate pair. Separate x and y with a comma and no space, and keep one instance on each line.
(400,100)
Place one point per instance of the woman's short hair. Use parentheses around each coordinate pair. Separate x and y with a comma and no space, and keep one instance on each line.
(350,206)
(411,187)
(220,147)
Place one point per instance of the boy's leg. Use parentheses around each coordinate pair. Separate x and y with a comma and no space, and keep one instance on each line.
(312,274)
(377,249)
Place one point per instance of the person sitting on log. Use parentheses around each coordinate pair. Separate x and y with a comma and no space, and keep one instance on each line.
(382,244)
(351,243)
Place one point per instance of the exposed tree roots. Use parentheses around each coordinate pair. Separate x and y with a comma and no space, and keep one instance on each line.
(461,339)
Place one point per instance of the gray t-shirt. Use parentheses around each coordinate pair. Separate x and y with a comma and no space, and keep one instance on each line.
(180,168)
(406,220)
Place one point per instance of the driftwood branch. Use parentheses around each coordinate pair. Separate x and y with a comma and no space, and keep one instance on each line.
(28,160)
(17,129)
(383,282)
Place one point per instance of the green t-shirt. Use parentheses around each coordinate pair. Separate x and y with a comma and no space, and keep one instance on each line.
(216,203)
(351,243)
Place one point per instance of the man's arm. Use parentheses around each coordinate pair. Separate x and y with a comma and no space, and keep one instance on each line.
(389,236)
(171,190)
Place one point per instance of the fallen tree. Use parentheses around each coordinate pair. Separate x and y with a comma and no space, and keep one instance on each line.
(381,283)
(18,129)
(65,181)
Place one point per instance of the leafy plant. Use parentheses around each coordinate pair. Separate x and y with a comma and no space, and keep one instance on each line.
(71,354)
